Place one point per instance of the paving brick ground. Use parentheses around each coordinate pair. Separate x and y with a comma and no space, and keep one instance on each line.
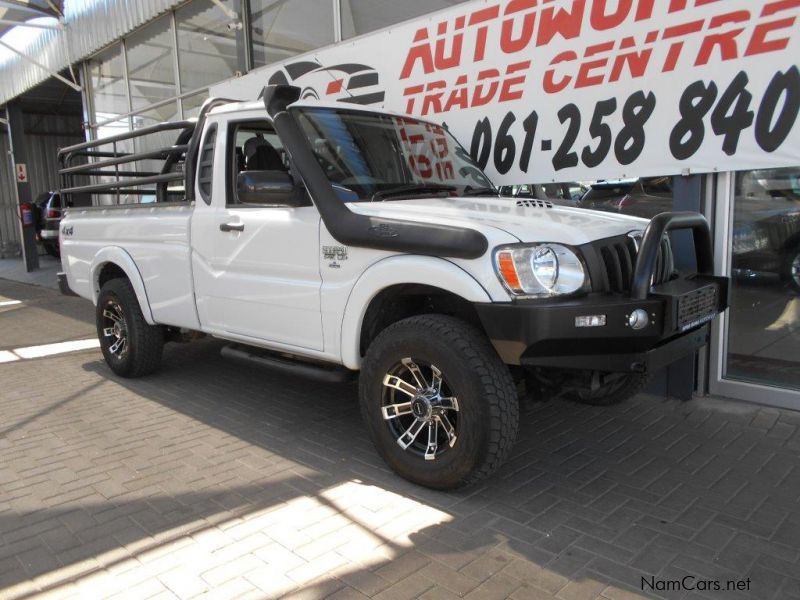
(211,479)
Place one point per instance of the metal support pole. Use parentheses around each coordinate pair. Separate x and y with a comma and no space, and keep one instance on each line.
(244,46)
(16,135)
(337,21)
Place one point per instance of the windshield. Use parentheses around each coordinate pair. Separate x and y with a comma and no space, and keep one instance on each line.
(373,156)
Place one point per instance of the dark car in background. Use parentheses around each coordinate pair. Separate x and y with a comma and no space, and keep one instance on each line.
(567,193)
(48,218)
(645,197)
(48,212)
(766,228)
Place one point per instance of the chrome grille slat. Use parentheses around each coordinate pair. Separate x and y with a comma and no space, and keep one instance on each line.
(613,270)
(625,263)
(618,259)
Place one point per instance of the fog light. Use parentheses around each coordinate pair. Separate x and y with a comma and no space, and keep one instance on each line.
(638,319)
(590,321)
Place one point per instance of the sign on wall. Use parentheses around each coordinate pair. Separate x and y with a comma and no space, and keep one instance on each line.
(565,90)
(21,170)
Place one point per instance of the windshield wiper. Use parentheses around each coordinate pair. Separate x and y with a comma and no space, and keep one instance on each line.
(413,189)
(480,191)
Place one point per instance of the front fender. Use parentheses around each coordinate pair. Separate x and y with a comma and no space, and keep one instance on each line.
(397,270)
(118,256)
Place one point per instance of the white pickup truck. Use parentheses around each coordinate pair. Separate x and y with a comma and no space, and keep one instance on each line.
(328,240)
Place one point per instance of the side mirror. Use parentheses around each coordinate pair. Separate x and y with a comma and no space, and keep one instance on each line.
(268,187)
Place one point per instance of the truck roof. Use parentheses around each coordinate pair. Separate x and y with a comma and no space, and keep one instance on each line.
(310,102)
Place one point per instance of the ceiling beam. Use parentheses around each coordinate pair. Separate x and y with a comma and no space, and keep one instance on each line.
(71,84)
(25,7)
(34,25)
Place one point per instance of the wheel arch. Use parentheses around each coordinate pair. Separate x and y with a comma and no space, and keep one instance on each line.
(113,262)
(791,243)
(398,276)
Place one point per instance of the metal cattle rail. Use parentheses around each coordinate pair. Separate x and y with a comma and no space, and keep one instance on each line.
(88,160)
(180,161)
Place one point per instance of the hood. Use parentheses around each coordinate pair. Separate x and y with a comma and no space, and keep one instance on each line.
(558,224)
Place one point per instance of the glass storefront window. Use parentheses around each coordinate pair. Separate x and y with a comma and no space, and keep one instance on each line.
(112,128)
(284,28)
(107,81)
(764,318)
(151,63)
(104,131)
(363,16)
(153,141)
(645,197)
(159,114)
(192,104)
(206,45)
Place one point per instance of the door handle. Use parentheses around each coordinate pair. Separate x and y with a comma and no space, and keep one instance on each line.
(231,226)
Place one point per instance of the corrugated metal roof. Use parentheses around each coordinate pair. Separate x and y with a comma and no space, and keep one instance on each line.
(89,25)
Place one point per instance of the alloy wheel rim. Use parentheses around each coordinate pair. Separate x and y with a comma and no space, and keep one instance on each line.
(795,270)
(115,329)
(419,408)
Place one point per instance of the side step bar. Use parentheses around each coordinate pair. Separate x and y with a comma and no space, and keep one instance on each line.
(269,360)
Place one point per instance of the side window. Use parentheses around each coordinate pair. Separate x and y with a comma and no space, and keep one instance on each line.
(255,147)
(205,167)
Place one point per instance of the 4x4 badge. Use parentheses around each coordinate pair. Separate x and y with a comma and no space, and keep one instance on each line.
(334,254)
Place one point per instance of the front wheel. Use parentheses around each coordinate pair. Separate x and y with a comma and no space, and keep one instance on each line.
(791,268)
(131,347)
(439,404)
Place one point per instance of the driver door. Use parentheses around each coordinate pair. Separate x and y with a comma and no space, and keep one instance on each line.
(261,276)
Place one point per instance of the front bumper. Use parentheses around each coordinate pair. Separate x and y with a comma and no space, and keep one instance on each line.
(544,334)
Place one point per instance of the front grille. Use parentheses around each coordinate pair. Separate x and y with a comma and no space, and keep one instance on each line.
(618,258)
(697,307)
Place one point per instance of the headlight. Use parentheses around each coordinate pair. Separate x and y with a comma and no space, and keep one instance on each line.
(540,270)
(545,266)
(749,239)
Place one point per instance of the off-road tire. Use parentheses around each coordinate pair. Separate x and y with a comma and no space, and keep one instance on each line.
(487,397)
(145,342)
(608,395)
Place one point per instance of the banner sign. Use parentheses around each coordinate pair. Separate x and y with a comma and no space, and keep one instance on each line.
(578,90)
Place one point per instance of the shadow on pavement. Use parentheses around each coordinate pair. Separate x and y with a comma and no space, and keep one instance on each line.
(591,498)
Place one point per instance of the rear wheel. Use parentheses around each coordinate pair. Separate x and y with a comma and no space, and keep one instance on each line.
(131,347)
(440,406)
